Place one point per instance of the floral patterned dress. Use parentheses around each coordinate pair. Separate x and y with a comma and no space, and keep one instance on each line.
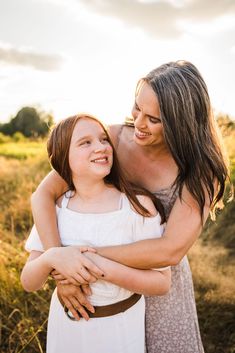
(171,320)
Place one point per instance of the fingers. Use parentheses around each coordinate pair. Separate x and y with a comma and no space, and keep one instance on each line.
(91,267)
(82,299)
(75,298)
(74,305)
(54,273)
(86,289)
(86,248)
(78,307)
(70,307)
(59,277)
(84,274)
(76,280)
(65,281)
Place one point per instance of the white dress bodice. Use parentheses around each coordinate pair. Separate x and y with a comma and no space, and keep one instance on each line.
(122,226)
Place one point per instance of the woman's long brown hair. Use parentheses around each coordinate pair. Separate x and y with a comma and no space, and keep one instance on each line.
(190,130)
(58,151)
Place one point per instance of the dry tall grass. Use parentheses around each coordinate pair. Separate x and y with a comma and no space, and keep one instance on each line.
(23,316)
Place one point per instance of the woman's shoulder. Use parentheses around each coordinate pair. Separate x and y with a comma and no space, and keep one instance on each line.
(118,132)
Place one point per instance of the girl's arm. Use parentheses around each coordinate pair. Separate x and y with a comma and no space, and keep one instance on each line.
(183,227)
(43,208)
(40,264)
(35,271)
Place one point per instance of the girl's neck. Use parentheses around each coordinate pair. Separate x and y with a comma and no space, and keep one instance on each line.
(94,197)
(89,189)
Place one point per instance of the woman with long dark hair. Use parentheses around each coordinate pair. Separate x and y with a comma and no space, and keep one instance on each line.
(170,147)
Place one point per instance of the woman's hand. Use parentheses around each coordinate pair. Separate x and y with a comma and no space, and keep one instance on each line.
(74,298)
(73,265)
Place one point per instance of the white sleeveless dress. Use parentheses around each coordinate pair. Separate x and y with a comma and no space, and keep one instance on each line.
(121,333)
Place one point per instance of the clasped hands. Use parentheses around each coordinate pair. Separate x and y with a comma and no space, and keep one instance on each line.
(73,271)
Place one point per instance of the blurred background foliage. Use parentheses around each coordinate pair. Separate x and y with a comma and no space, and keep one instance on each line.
(23,316)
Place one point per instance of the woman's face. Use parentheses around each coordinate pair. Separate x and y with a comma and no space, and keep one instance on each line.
(147,120)
(90,154)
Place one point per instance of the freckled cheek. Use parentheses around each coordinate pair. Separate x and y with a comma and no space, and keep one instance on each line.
(110,153)
(76,160)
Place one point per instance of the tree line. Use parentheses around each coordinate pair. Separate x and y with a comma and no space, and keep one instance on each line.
(30,122)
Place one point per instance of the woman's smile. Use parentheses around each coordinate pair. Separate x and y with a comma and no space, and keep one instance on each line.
(141,134)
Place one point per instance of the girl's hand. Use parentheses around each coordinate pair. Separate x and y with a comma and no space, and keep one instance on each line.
(57,276)
(75,299)
(73,265)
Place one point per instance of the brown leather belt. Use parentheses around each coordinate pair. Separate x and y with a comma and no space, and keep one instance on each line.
(106,310)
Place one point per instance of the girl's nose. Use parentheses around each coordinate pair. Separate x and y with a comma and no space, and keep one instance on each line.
(100,147)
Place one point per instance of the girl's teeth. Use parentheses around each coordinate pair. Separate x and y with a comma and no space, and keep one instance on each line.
(100,160)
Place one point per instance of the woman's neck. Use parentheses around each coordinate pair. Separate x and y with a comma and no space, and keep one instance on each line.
(156,152)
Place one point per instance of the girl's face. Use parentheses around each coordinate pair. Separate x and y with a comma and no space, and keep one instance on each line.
(147,120)
(90,154)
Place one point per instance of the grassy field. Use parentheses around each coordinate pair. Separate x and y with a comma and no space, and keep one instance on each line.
(23,150)
(23,316)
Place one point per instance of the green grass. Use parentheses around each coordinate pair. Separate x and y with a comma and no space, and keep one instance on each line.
(22,150)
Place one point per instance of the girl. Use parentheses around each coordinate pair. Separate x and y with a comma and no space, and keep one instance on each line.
(100,209)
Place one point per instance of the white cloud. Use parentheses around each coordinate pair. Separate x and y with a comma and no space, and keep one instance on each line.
(160,18)
(28,57)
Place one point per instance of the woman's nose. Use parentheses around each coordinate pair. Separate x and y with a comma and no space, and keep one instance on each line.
(139,120)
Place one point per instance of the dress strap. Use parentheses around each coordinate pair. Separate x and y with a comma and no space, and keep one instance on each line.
(124,203)
(66,198)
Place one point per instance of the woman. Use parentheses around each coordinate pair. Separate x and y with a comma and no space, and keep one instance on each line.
(174,152)
(80,150)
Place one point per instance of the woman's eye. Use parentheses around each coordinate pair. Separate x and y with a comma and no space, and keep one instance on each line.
(136,107)
(154,120)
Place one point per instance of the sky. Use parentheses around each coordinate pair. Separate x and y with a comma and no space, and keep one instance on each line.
(71,56)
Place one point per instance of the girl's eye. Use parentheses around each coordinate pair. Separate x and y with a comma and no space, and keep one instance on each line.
(86,142)
(104,140)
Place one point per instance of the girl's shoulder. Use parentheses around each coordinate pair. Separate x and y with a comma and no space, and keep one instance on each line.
(62,201)
(148,204)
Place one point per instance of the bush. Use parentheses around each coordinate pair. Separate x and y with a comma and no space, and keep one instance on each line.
(18,137)
(4,138)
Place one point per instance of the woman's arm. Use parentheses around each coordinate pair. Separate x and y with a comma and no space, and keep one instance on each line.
(183,227)
(43,208)
(147,282)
